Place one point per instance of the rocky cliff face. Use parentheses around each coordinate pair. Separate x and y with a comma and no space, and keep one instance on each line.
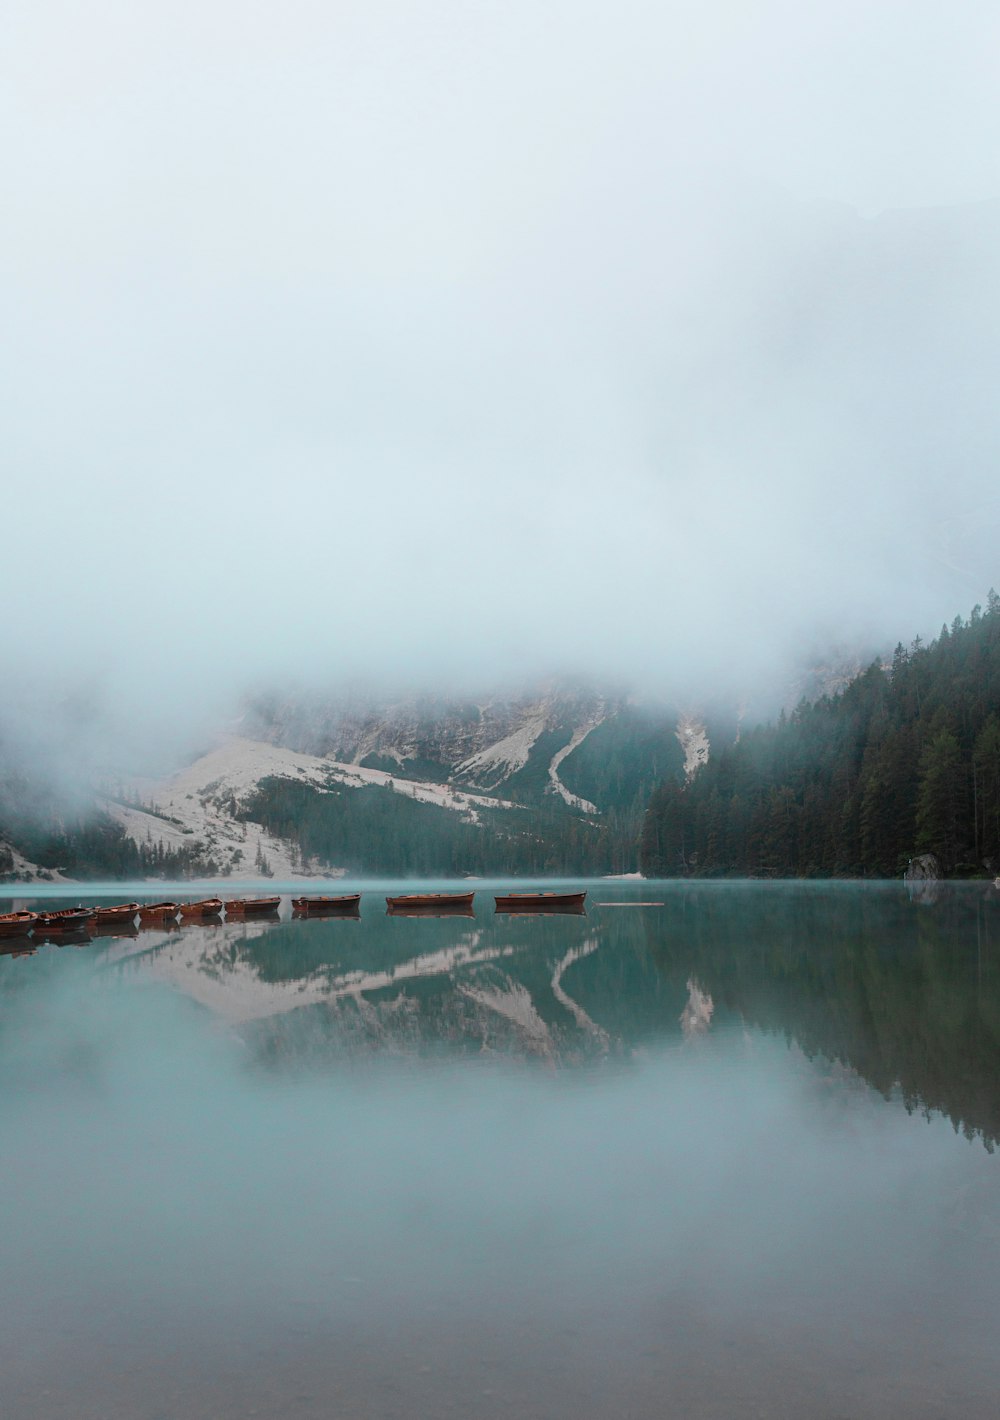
(479,739)
(487,743)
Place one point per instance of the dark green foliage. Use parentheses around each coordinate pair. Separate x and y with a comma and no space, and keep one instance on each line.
(79,840)
(907,996)
(905,759)
(941,810)
(428,770)
(376,830)
(618,764)
(528,784)
(91,845)
(986,790)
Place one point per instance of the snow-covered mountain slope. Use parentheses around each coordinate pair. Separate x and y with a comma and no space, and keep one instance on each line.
(15,867)
(526,747)
(575,801)
(483,741)
(469,988)
(503,758)
(203,805)
(579,753)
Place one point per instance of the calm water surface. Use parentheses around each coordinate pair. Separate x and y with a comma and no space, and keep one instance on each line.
(727,1155)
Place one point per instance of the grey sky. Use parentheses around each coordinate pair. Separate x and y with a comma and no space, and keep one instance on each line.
(454,339)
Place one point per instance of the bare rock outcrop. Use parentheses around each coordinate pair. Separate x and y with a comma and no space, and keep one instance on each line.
(925,868)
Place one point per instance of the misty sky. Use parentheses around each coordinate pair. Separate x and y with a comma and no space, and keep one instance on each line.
(458,339)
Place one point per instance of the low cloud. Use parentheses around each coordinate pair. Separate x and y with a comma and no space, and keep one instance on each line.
(457,345)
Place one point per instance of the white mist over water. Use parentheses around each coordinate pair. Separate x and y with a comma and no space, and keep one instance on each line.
(168,1197)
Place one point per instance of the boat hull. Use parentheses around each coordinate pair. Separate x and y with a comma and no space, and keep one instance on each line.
(541,902)
(346,906)
(252,907)
(437,901)
(68,919)
(207,907)
(124,912)
(17,924)
(155,914)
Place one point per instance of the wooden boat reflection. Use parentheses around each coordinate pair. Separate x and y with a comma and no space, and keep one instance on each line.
(206,907)
(114,929)
(571,902)
(16,924)
(252,906)
(123,912)
(14,947)
(430,912)
(67,919)
(63,936)
(158,914)
(346,905)
(430,904)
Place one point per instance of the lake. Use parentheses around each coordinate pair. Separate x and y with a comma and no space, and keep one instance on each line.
(727,1154)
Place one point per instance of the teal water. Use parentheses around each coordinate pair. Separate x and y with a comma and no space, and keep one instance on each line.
(727,1154)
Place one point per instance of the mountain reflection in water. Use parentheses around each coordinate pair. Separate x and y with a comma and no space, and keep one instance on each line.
(652,1161)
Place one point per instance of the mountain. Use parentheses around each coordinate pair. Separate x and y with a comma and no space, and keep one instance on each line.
(592,748)
(552,780)
(209,806)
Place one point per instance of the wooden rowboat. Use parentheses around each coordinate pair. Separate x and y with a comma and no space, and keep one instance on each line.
(252,906)
(154,914)
(431,899)
(67,919)
(121,912)
(431,904)
(345,905)
(206,907)
(16,924)
(541,902)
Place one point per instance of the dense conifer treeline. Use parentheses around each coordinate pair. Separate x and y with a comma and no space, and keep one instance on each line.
(382,830)
(79,841)
(905,760)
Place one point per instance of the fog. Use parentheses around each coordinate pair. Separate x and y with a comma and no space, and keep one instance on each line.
(197,1233)
(449,343)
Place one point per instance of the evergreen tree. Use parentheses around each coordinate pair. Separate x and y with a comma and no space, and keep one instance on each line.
(904,758)
(939,798)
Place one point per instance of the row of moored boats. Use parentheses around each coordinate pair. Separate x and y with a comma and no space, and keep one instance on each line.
(125,915)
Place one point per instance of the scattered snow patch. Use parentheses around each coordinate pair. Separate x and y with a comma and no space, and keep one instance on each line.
(198,806)
(513,1002)
(23,870)
(585,1022)
(696,1016)
(508,755)
(693,739)
(556,786)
